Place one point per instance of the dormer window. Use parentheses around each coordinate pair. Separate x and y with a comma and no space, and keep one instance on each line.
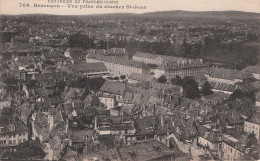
(12,127)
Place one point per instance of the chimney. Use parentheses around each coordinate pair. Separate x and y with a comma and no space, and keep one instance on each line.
(67,125)
(95,123)
(50,121)
(162,121)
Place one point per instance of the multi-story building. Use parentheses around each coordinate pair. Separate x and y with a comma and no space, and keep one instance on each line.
(118,66)
(159,60)
(89,69)
(117,52)
(227,76)
(108,100)
(12,131)
(253,125)
(171,66)
(231,148)
(116,125)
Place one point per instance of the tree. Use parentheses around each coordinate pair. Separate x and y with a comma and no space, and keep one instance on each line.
(206,89)
(190,87)
(251,139)
(122,77)
(239,94)
(162,79)
(177,81)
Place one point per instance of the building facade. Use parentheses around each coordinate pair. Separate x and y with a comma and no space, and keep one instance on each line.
(117,66)
(170,66)
(12,131)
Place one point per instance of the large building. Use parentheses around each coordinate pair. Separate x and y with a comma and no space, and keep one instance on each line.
(171,66)
(227,76)
(118,66)
(89,69)
(12,131)
(231,148)
(154,58)
(117,52)
(253,125)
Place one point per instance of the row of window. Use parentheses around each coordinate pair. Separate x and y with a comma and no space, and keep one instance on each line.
(251,126)
(11,142)
(12,128)
(13,135)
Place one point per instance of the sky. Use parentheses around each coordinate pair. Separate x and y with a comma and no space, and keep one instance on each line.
(12,6)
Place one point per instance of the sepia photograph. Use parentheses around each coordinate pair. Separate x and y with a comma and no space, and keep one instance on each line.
(129,80)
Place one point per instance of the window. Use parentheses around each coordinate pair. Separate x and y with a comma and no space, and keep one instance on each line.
(20,134)
(12,127)
(2,129)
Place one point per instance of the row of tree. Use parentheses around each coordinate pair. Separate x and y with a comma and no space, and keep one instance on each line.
(189,85)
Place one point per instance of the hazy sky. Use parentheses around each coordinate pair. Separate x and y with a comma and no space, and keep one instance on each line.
(12,6)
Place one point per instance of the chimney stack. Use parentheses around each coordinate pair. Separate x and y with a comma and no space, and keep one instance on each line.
(50,121)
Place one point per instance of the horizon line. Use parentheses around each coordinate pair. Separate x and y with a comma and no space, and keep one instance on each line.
(2,14)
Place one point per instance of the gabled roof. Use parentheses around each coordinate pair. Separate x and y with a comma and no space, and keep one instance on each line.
(7,122)
(147,150)
(255,118)
(228,74)
(88,67)
(141,77)
(113,87)
(80,135)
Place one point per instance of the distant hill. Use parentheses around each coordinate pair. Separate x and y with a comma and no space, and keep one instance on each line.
(170,14)
(205,14)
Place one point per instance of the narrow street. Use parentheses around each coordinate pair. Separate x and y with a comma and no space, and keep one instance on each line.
(195,151)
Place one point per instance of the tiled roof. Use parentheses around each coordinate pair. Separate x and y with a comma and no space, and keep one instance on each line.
(147,150)
(223,86)
(89,67)
(113,119)
(166,87)
(141,77)
(156,56)
(255,118)
(7,122)
(116,60)
(80,135)
(228,74)
(113,87)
